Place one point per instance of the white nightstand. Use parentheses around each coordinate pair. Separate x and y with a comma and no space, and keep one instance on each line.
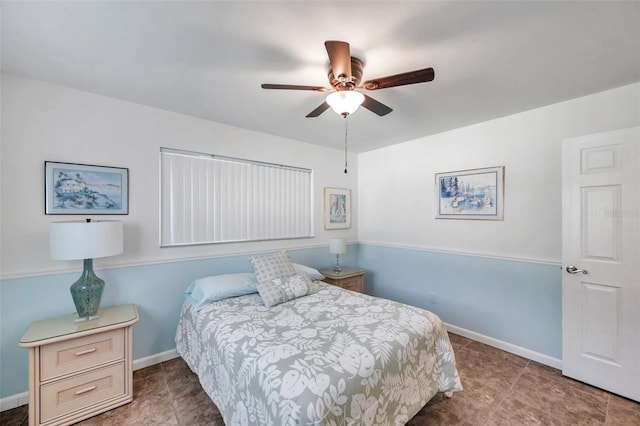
(349,278)
(79,369)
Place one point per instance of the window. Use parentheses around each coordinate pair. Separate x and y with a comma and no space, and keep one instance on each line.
(208,199)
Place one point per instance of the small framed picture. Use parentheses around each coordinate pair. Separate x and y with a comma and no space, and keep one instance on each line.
(85,189)
(470,194)
(337,208)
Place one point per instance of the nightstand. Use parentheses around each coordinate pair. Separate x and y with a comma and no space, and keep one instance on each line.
(349,278)
(79,369)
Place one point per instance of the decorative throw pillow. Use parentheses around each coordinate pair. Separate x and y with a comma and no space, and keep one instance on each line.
(268,268)
(280,290)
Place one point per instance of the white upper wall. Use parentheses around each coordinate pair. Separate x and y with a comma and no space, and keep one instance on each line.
(396,184)
(45,122)
(393,203)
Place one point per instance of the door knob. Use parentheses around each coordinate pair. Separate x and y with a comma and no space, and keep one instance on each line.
(573,270)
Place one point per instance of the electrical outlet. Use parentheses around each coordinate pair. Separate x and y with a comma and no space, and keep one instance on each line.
(433,298)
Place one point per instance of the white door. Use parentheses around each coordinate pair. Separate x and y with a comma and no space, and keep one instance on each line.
(601,260)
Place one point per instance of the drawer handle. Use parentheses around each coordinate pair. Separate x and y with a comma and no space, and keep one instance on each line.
(86,351)
(89,389)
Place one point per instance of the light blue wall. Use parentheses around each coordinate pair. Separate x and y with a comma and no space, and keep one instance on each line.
(155,289)
(512,301)
(515,302)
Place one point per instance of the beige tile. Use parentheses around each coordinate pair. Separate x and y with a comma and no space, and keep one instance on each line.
(514,412)
(458,342)
(197,409)
(174,368)
(157,404)
(567,401)
(473,404)
(152,370)
(110,418)
(496,372)
(545,370)
(15,417)
(536,373)
(147,385)
(623,412)
(183,386)
(436,415)
(164,419)
(496,355)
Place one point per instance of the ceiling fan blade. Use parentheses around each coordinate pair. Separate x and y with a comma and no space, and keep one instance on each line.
(316,112)
(375,106)
(412,77)
(293,87)
(340,58)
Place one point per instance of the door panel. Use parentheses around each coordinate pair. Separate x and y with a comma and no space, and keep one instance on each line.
(601,235)
(600,308)
(600,227)
(600,159)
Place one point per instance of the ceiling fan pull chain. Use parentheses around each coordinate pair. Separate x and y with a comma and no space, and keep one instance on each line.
(346,128)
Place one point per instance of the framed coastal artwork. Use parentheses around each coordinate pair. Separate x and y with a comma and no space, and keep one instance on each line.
(85,189)
(337,208)
(470,194)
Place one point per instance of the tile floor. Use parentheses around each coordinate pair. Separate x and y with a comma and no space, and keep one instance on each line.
(499,389)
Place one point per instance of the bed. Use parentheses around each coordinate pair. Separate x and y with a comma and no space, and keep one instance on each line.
(329,357)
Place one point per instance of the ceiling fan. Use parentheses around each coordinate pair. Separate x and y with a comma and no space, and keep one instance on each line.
(345,73)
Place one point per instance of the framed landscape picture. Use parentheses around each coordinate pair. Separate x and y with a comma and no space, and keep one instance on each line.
(337,208)
(470,194)
(85,189)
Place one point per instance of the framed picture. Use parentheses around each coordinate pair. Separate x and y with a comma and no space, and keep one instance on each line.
(470,194)
(337,208)
(85,189)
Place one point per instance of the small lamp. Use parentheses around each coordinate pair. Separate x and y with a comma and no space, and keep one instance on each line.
(85,240)
(337,246)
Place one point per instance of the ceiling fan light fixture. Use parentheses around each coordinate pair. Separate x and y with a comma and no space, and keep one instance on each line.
(345,102)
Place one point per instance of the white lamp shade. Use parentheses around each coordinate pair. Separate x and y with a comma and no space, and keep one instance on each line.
(345,101)
(337,246)
(85,240)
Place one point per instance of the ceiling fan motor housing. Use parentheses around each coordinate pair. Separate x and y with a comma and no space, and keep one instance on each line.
(356,75)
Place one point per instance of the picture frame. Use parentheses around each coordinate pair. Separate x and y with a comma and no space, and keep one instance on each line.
(470,194)
(73,189)
(337,208)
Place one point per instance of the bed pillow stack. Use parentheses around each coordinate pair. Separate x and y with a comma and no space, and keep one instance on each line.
(278,281)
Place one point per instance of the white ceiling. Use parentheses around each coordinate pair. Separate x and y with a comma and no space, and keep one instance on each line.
(208,58)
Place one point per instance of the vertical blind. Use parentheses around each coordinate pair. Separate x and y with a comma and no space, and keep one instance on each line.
(207,199)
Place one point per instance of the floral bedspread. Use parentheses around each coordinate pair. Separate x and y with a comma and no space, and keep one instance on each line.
(334,357)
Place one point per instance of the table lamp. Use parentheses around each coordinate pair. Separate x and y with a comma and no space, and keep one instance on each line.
(86,240)
(337,246)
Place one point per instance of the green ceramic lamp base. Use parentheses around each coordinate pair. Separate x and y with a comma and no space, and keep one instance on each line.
(87,293)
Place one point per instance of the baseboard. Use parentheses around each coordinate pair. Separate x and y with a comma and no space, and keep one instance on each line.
(154,359)
(508,347)
(17,400)
(14,401)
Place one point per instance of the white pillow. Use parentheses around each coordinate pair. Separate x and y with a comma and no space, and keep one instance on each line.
(218,287)
(314,274)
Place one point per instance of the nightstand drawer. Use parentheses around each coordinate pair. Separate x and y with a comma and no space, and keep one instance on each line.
(74,355)
(353,284)
(82,391)
(349,278)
